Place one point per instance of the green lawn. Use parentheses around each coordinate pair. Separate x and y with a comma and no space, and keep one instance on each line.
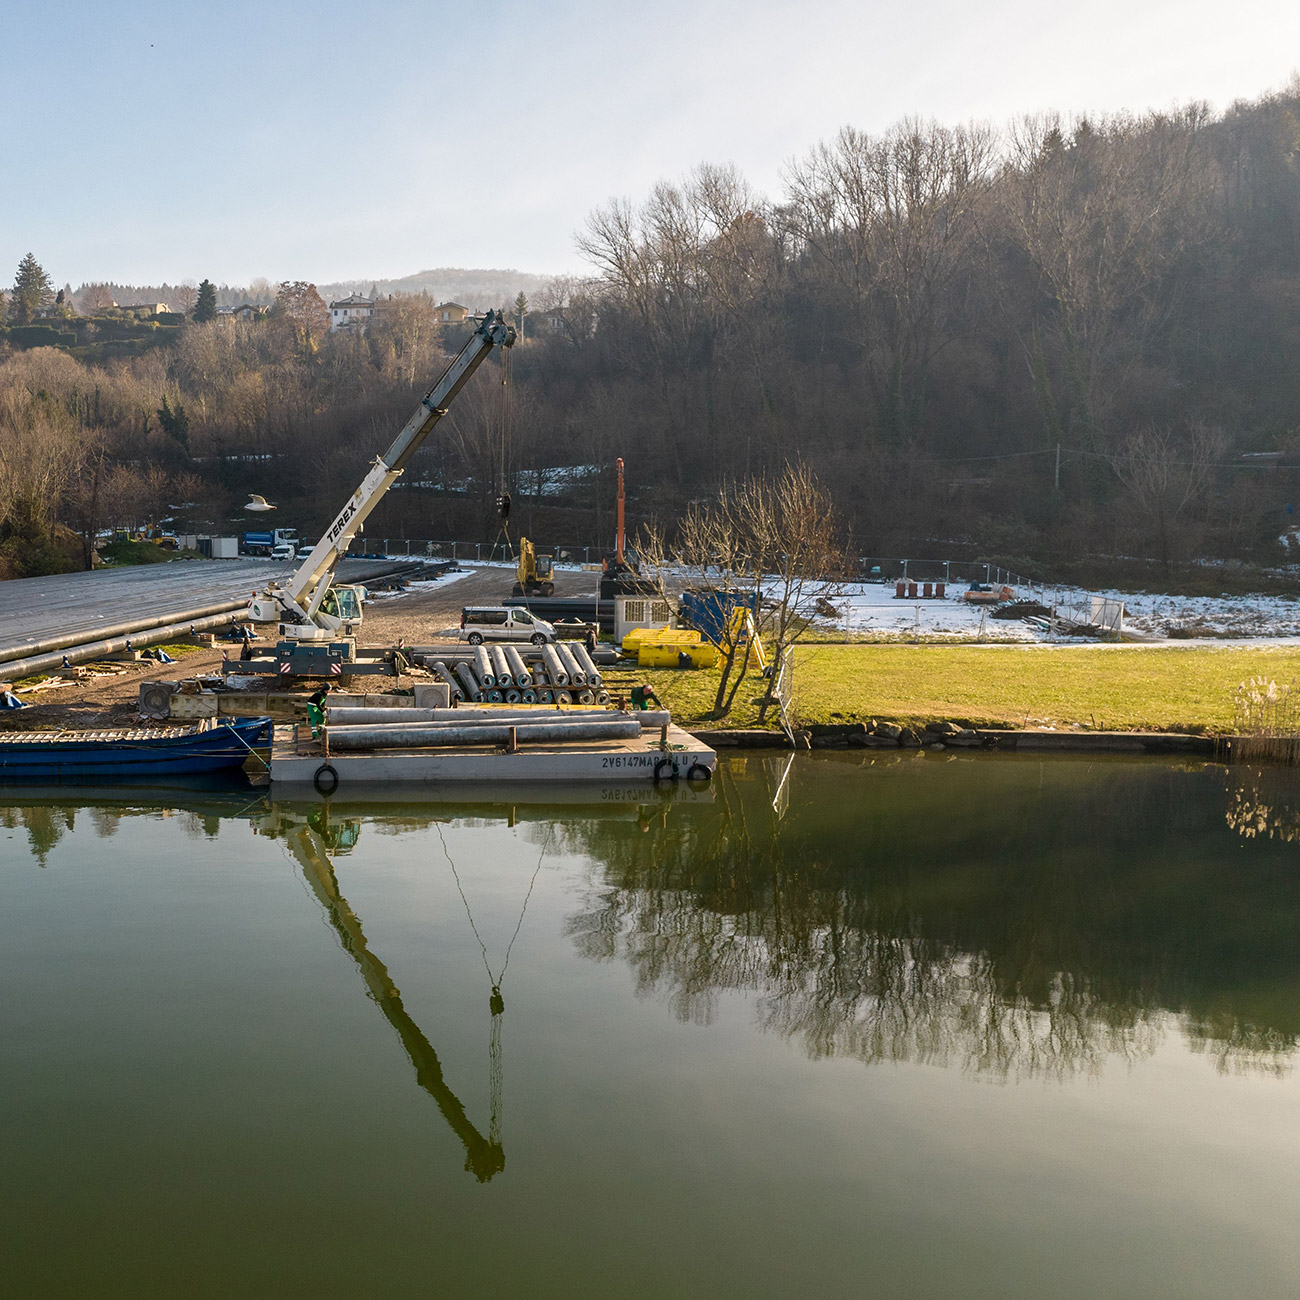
(1109,687)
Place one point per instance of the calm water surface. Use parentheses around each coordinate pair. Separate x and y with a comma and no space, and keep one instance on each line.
(916,1027)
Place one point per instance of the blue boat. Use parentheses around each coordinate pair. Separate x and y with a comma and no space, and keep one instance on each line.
(133,753)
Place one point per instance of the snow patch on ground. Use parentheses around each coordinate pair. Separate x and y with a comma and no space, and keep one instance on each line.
(872,609)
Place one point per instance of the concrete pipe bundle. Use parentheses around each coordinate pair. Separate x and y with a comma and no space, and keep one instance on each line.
(500,668)
(439,670)
(576,676)
(517,669)
(555,669)
(483,667)
(439,735)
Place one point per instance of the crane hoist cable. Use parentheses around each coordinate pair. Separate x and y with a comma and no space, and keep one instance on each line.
(496,1002)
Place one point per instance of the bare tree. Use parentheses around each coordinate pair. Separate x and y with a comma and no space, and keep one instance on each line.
(1167,477)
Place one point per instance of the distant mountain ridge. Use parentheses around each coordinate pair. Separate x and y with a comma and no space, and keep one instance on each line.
(476,288)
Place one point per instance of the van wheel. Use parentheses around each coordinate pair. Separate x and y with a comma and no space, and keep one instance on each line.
(538,638)
(475,638)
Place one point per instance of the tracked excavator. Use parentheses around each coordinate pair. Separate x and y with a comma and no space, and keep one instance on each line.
(535,575)
(317,620)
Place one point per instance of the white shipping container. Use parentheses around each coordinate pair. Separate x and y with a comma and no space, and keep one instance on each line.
(225,548)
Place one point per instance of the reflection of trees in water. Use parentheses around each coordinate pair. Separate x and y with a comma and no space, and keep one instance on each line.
(1263,802)
(1010,929)
(46,823)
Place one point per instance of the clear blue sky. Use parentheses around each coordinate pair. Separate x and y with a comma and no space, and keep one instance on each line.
(147,141)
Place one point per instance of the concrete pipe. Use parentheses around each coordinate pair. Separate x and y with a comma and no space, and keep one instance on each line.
(546,696)
(514,696)
(576,676)
(80,654)
(441,672)
(88,636)
(471,690)
(517,669)
(500,668)
(415,736)
(530,695)
(563,697)
(483,667)
(471,716)
(583,660)
(495,696)
(586,696)
(554,666)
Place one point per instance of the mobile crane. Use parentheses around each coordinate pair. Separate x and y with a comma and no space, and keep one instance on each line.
(317,619)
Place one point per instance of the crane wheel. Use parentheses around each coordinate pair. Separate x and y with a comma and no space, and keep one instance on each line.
(330,783)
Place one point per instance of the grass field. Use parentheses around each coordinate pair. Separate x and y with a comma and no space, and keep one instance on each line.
(1108,687)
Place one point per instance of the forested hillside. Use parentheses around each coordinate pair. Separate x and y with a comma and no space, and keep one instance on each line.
(1055,340)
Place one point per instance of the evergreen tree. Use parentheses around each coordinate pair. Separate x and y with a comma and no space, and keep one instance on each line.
(521,310)
(205,306)
(175,422)
(32,291)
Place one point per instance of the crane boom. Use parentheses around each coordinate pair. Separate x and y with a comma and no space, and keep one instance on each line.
(302,595)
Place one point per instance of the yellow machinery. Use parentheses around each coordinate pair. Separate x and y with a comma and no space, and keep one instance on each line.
(534,576)
(663,647)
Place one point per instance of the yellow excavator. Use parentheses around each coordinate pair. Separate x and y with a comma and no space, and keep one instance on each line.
(535,574)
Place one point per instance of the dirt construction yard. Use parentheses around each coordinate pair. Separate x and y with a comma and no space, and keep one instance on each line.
(421,614)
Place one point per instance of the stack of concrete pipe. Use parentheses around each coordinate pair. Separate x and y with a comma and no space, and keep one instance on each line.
(496,674)
(352,729)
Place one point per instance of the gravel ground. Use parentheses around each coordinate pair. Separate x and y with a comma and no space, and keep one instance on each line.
(421,614)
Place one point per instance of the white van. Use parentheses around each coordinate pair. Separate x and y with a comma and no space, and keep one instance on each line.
(479,623)
(282,551)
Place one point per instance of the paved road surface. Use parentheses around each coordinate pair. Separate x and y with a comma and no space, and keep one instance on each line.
(32,609)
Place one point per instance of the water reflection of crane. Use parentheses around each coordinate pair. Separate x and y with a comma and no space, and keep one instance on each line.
(484,1156)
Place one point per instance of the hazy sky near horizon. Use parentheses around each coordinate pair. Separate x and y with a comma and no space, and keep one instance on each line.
(147,141)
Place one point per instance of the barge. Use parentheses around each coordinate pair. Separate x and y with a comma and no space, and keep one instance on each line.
(652,756)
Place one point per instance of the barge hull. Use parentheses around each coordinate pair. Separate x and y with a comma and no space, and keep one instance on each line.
(609,761)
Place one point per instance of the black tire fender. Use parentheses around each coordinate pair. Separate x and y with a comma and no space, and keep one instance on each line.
(661,775)
(328,786)
(698,774)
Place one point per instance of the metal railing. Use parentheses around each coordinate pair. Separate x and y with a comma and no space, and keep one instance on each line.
(470,552)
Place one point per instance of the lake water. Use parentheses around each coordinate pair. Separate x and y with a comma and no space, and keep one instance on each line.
(907,1026)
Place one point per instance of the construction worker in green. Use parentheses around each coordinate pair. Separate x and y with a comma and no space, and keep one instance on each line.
(643,698)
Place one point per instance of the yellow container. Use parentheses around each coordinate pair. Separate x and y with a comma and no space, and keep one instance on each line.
(701,655)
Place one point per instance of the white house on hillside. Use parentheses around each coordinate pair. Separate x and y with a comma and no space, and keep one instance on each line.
(354,310)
